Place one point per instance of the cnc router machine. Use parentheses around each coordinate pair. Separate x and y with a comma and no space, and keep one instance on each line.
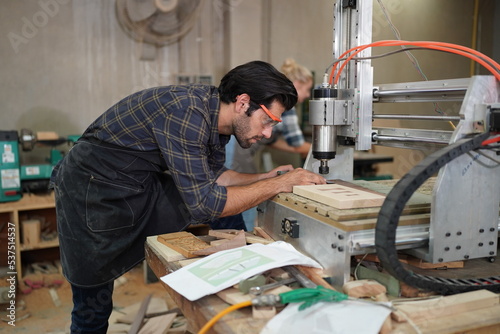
(463,220)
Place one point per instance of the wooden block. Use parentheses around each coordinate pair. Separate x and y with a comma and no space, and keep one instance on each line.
(408,291)
(483,321)
(175,235)
(419,263)
(445,306)
(183,242)
(263,312)
(253,239)
(166,252)
(217,242)
(235,242)
(340,196)
(233,296)
(416,200)
(315,275)
(261,233)
(32,230)
(363,288)
(224,234)
(186,262)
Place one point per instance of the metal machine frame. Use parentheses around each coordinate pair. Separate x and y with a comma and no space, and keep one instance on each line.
(464,218)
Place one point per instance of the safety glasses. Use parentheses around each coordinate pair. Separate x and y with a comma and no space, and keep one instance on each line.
(274,120)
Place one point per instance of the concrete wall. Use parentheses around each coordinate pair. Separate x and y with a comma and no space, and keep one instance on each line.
(65,62)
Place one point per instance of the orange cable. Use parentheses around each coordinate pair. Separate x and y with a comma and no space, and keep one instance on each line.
(448,47)
(490,141)
(426,45)
(350,50)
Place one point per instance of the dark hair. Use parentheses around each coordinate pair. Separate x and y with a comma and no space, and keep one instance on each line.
(261,81)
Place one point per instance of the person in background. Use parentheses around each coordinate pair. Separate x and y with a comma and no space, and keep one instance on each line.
(287,136)
(153,163)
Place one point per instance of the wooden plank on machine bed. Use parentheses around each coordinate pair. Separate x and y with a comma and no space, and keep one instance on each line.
(341,196)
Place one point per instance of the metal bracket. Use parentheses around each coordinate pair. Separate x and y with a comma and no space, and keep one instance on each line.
(290,226)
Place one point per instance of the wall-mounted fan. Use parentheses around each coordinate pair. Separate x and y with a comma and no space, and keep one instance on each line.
(158,22)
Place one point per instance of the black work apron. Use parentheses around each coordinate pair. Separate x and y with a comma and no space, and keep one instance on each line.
(108,200)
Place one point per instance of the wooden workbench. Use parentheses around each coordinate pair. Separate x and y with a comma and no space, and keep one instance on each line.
(199,312)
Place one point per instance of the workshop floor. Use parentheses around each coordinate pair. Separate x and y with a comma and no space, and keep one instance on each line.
(41,315)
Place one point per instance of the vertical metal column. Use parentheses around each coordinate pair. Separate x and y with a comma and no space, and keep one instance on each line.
(352,27)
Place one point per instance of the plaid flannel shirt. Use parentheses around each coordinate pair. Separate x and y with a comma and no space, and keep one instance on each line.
(181,123)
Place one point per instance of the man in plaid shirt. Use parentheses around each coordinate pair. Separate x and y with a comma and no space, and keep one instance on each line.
(154,163)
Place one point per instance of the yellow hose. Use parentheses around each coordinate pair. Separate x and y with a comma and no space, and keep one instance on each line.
(222,313)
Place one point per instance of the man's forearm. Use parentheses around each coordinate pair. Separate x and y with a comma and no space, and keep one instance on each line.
(241,198)
(232,178)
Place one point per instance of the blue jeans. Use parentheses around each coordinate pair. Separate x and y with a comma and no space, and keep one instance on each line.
(91,309)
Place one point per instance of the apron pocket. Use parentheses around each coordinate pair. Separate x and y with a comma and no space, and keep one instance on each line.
(111,206)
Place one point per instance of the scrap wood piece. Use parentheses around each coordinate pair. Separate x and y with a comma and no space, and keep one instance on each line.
(166,252)
(235,242)
(160,324)
(278,274)
(484,320)
(224,233)
(419,263)
(414,261)
(413,292)
(315,275)
(217,242)
(445,306)
(180,326)
(231,233)
(253,239)
(259,231)
(183,242)
(263,312)
(55,297)
(139,318)
(233,296)
(155,306)
(363,288)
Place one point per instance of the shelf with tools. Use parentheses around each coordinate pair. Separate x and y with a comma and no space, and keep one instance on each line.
(28,229)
